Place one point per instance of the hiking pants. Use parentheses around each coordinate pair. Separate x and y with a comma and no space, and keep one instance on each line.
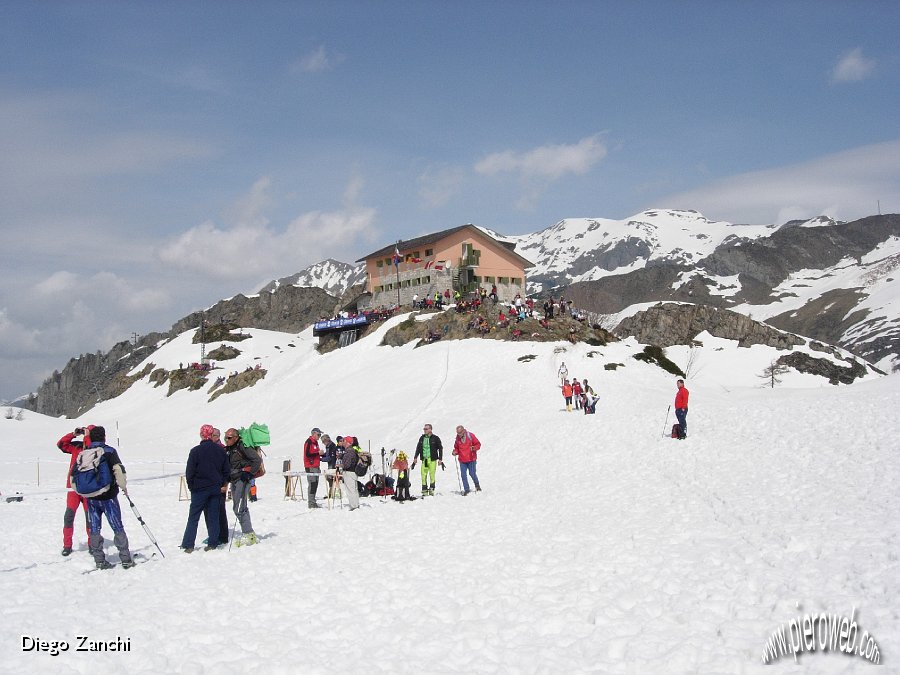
(350,479)
(109,508)
(681,414)
(468,467)
(429,468)
(73,500)
(240,500)
(313,485)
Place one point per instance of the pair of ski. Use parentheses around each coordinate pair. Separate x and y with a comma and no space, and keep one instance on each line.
(138,558)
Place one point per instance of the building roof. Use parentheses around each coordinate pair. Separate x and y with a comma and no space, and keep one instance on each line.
(421,242)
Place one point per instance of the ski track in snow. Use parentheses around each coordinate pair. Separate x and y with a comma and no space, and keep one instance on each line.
(597,545)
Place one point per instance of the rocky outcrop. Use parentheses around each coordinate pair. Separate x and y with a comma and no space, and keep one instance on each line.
(670,324)
(91,378)
(288,309)
(834,373)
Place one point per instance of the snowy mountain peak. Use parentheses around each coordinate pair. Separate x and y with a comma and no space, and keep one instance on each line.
(333,276)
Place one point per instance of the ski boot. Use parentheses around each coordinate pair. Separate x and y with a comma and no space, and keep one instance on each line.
(67,550)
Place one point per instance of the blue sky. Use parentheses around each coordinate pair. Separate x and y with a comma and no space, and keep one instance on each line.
(156,157)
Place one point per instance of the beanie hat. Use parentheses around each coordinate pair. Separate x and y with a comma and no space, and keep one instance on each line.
(206,431)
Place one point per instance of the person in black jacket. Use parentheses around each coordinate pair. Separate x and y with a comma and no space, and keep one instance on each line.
(244,462)
(431,451)
(107,504)
(207,478)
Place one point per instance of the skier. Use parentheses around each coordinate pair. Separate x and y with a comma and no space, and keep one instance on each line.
(107,504)
(431,451)
(72,447)
(563,373)
(681,406)
(466,447)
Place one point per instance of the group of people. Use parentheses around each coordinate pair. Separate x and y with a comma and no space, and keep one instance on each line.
(580,394)
(214,469)
(343,455)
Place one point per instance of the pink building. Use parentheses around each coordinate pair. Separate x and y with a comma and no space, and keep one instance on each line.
(462,259)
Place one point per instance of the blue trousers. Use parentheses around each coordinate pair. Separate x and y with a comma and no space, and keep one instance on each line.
(468,467)
(204,502)
(681,414)
(97,508)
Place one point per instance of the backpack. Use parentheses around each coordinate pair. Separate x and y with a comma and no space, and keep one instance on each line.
(676,432)
(91,473)
(255,435)
(262,465)
(364,462)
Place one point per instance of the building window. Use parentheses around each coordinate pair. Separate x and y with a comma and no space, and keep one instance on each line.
(516,281)
(429,252)
(504,280)
(490,280)
(477,280)
(379,263)
(379,289)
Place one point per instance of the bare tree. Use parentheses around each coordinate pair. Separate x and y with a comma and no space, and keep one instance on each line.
(772,373)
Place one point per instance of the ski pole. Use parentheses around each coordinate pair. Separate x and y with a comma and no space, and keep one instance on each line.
(666,423)
(458,476)
(137,515)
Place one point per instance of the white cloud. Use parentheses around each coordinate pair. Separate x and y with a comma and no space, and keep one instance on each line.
(547,161)
(317,61)
(845,186)
(852,66)
(252,248)
(58,282)
(438,185)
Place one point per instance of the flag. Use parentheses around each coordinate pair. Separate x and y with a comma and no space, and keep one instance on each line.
(429,264)
(396,256)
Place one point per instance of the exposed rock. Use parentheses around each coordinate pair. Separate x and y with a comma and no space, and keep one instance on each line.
(670,324)
(240,381)
(92,378)
(833,372)
(224,353)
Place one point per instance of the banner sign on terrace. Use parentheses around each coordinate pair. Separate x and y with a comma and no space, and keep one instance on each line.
(338,324)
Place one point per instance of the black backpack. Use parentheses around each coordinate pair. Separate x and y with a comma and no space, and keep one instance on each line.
(677,432)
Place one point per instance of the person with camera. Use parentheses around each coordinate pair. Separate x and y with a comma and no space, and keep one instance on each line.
(70,446)
(244,463)
(312,456)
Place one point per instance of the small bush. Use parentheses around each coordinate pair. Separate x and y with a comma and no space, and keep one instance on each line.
(657,355)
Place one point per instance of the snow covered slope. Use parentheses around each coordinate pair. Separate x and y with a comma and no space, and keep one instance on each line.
(598,544)
(584,249)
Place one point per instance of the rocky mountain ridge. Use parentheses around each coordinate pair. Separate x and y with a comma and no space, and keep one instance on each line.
(833,282)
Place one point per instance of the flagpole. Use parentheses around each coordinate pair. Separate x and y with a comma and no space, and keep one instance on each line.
(397,251)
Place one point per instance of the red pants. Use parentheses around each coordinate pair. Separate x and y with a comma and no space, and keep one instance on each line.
(73,499)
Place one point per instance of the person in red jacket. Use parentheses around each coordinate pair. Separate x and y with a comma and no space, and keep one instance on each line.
(576,393)
(311,457)
(70,446)
(681,406)
(465,449)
